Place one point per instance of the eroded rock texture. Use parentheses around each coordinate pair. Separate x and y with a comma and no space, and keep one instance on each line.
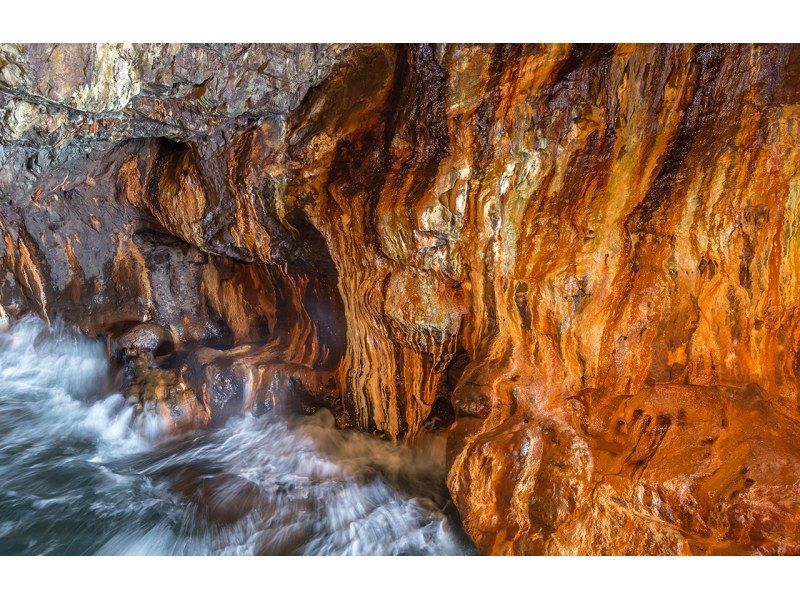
(582,261)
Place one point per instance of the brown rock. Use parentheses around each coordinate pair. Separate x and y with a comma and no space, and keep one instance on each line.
(145,338)
(220,499)
(586,254)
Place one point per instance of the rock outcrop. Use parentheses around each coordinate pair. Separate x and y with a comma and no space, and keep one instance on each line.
(582,261)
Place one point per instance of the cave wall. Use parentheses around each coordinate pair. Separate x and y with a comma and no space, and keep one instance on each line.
(587,254)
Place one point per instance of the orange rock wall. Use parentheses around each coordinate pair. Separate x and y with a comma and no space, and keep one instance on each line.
(587,254)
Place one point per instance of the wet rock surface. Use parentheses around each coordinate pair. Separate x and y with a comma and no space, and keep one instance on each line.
(579,261)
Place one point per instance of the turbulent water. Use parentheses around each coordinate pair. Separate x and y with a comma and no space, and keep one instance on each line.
(80,474)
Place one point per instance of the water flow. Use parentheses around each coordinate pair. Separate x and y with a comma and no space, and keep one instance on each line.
(81,474)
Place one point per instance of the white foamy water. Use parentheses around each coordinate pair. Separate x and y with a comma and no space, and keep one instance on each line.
(81,474)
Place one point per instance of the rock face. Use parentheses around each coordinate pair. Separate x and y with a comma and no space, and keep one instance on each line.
(582,260)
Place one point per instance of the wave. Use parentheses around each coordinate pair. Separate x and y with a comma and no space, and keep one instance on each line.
(84,474)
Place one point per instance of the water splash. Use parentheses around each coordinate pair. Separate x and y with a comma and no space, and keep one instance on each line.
(83,475)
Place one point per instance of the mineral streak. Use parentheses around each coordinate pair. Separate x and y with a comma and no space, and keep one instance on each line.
(582,261)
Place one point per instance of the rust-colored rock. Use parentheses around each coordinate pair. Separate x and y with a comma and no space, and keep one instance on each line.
(586,257)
